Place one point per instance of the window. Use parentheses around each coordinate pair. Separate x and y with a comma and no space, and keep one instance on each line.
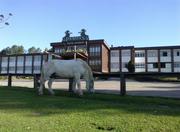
(95,62)
(164,53)
(20,59)
(61,50)
(163,65)
(177,53)
(36,68)
(28,58)
(37,58)
(4,59)
(12,59)
(20,68)
(94,51)
(126,53)
(176,64)
(139,65)
(115,53)
(11,68)
(28,68)
(115,65)
(152,53)
(139,54)
(124,65)
(3,69)
(56,50)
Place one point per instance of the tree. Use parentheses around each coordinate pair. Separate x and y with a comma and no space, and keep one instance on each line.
(4,20)
(15,49)
(130,66)
(34,50)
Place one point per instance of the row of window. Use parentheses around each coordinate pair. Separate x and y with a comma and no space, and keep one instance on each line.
(94,51)
(115,65)
(95,62)
(139,65)
(123,53)
(21,58)
(142,53)
(21,68)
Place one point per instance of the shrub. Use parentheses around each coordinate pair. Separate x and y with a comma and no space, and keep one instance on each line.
(130,66)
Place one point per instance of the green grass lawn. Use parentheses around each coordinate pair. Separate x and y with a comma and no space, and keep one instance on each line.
(22,110)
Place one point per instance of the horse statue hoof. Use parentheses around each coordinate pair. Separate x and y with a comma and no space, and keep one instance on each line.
(40,94)
(52,94)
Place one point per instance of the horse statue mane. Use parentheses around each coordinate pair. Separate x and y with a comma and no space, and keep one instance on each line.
(75,69)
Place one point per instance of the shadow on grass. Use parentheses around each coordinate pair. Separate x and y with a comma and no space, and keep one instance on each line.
(21,98)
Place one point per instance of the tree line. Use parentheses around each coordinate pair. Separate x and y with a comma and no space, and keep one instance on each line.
(19,49)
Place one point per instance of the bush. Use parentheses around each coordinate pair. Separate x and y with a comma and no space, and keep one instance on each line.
(130,66)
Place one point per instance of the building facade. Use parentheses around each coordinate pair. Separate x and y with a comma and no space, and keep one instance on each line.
(99,56)
(146,59)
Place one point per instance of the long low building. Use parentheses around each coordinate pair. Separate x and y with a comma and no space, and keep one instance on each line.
(22,64)
(146,59)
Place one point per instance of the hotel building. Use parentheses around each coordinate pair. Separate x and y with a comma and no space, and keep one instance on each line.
(100,57)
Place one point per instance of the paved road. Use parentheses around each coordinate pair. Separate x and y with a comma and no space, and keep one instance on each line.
(161,89)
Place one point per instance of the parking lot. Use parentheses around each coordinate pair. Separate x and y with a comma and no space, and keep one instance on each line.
(161,89)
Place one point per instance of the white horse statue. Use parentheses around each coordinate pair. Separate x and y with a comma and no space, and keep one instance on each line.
(75,69)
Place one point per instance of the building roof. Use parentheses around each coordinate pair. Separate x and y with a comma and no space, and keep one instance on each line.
(159,47)
(97,41)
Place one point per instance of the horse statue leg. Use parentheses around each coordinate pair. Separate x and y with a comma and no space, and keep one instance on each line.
(89,84)
(50,86)
(74,85)
(77,79)
(42,85)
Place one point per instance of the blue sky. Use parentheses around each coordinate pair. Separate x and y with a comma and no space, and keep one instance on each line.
(119,22)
